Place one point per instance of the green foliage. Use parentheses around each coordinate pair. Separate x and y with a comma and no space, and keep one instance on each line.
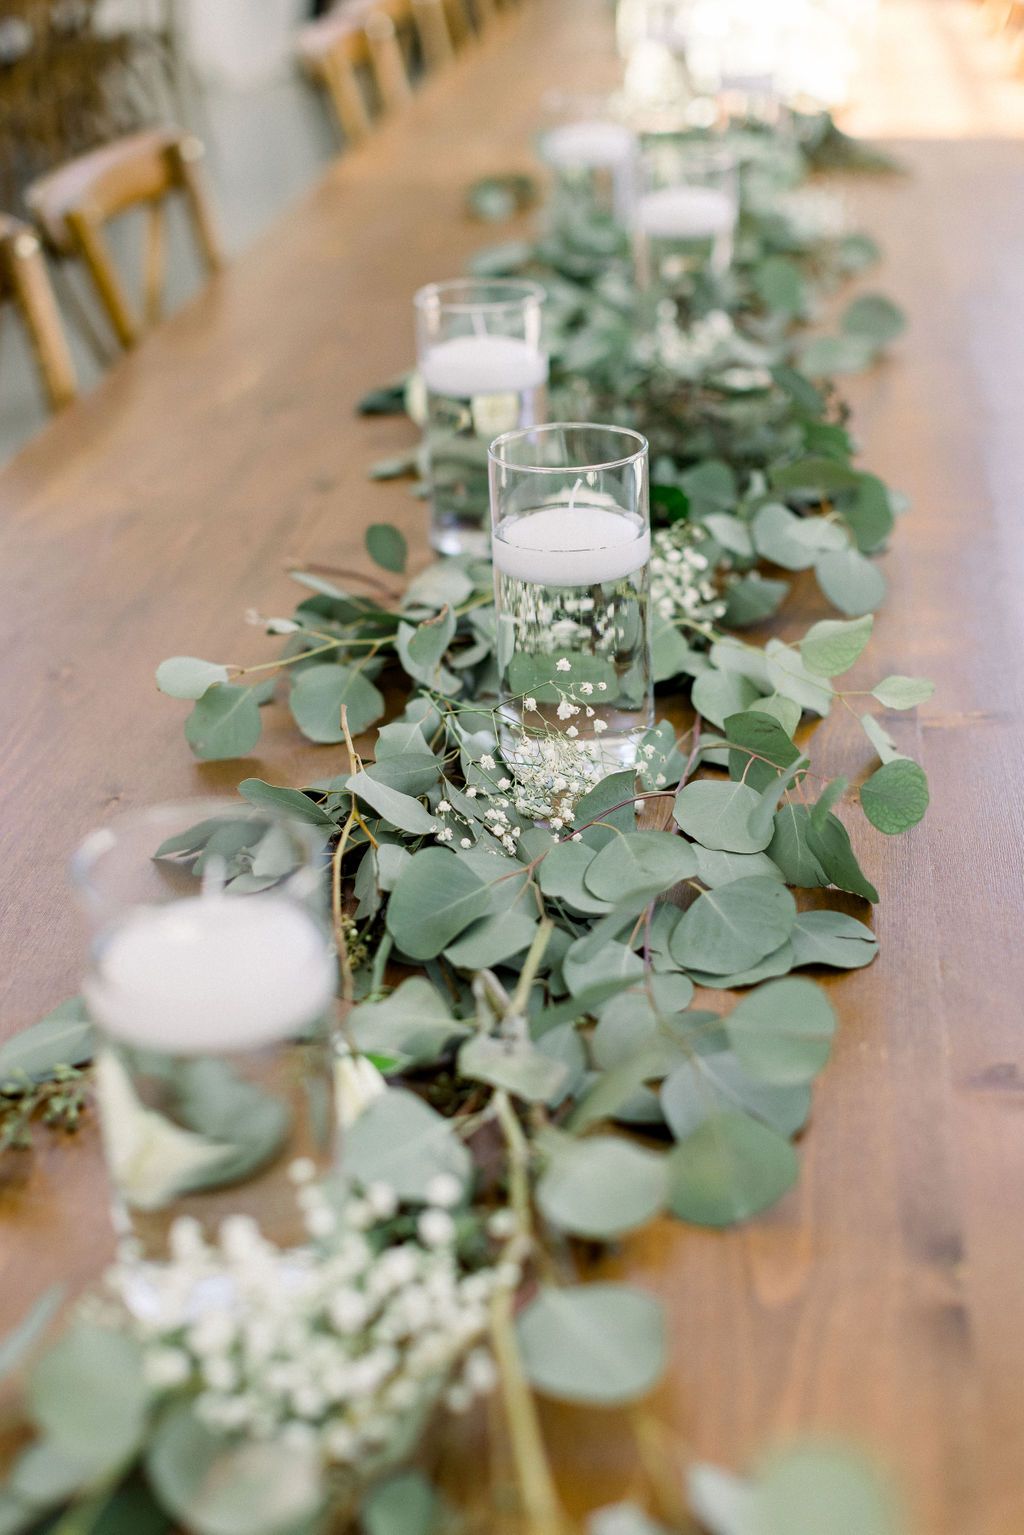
(387,547)
(895,797)
(225,723)
(728,1169)
(599,1344)
(401,1141)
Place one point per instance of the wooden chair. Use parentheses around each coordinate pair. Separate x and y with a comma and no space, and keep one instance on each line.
(72,205)
(24,280)
(337,48)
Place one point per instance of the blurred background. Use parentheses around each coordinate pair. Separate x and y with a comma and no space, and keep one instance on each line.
(248,79)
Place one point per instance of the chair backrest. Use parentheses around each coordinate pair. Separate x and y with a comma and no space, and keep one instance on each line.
(335,49)
(24,281)
(72,204)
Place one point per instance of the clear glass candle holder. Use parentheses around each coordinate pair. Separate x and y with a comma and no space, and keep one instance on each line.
(685,213)
(484,372)
(571,546)
(591,155)
(211,983)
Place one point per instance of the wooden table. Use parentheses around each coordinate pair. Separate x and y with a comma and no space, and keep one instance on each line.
(884,1298)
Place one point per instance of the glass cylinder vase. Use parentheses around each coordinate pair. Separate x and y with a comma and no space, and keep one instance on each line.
(685,212)
(484,372)
(211,984)
(571,547)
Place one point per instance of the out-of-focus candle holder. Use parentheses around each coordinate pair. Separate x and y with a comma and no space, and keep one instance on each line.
(685,212)
(484,371)
(211,984)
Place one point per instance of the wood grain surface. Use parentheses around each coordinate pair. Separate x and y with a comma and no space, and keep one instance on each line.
(883,1298)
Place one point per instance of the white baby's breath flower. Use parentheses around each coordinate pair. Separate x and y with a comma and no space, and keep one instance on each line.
(563,664)
(444,1189)
(530,704)
(487,762)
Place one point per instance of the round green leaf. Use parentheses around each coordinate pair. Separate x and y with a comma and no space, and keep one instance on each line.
(601,1186)
(796,1485)
(874,316)
(832,938)
(729,1169)
(317,696)
(225,723)
(717,815)
(436,898)
(717,694)
(718,1083)
(87,1394)
(639,862)
(832,646)
(782,1032)
(401,1141)
(896,796)
(601,1344)
(850,582)
(734,927)
(188,677)
(218,1487)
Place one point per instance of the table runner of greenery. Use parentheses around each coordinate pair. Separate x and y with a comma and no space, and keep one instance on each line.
(539,1079)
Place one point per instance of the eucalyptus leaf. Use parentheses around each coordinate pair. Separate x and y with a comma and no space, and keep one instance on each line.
(517,1066)
(895,797)
(597,1344)
(404,1505)
(717,1082)
(318,694)
(225,723)
(63,1038)
(188,677)
(290,802)
(717,815)
(600,1187)
(782,1032)
(387,547)
(492,940)
(87,1394)
(401,1141)
(401,810)
(832,938)
(830,845)
(903,692)
(880,738)
(832,646)
(850,582)
(735,926)
(638,863)
(436,898)
(413,1023)
(219,1486)
(728,1169)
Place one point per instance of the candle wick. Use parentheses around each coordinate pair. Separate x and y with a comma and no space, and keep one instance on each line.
(214,874)
(572,494)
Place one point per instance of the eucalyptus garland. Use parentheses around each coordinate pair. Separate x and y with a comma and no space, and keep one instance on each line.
(542,952)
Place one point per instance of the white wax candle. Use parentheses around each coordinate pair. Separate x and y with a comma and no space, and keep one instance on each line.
(212,974)
(685,213)
(468,366)
(588,145)
(571,545)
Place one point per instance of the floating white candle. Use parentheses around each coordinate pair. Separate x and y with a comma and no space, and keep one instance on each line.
(571,545)
(588,145)
(468,366)
(212,974)
(685,213)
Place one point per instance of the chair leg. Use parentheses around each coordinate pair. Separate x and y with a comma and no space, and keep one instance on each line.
(92,247)
(29,284)
(435,38)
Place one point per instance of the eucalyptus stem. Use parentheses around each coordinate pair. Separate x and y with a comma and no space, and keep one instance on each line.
(531,965)
(541,1503)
